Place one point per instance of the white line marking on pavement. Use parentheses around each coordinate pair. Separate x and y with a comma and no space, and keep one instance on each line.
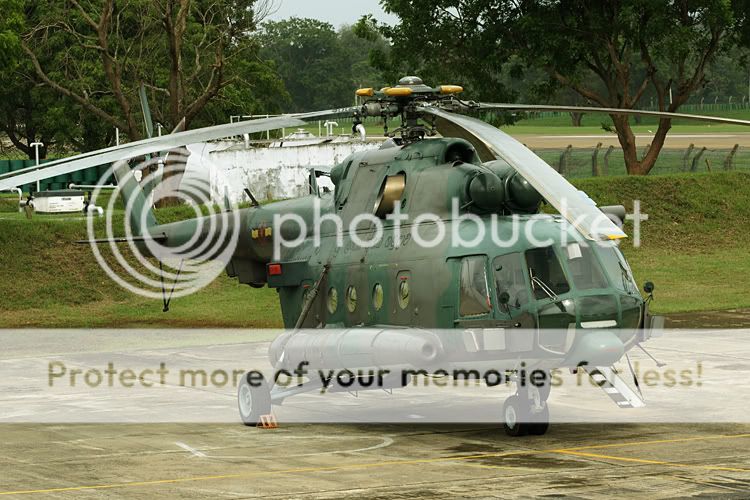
(386,441)
(192,450)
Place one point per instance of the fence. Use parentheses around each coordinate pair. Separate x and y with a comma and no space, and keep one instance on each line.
(701,108)
(591,162)
(87,176)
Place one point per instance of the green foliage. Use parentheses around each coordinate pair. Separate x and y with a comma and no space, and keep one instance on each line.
(320,67)
(72,70)
(11,24)
(198,60)
(446,41)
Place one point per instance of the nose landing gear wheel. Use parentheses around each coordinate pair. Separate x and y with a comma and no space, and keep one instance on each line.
(520,418)
(253,400)
(539,422)
(513,417)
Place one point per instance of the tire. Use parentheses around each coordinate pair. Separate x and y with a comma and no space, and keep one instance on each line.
(515,416)
(253,402)
(539,422)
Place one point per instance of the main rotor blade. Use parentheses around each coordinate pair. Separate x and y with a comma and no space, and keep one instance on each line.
(492,143)
(329,113)
(163,143)
(610,111)
(140,148)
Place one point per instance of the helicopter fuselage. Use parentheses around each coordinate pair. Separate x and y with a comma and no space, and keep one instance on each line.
(495,269)
(470,252)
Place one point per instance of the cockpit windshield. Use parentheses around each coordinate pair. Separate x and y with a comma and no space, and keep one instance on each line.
(585,270)
(617,268)
(546,274)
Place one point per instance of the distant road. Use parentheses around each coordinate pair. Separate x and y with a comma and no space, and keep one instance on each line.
(673,141)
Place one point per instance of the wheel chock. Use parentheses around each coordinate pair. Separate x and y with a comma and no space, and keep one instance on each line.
(268,422)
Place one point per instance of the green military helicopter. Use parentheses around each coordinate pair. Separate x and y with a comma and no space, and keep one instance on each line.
(398,303)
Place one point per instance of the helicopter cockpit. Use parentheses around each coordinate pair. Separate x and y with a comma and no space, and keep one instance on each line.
(585,284)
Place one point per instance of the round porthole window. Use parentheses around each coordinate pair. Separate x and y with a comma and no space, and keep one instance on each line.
(403,294)
(377,296)
(333,300)
(351,299)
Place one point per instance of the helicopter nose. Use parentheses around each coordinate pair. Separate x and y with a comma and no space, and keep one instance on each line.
(597,348)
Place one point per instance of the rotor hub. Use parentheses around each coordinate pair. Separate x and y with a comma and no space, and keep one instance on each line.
(404,100)
(411,80)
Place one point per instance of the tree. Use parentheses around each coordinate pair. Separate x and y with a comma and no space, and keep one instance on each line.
(188,54)
(10,24)
(727,77)
(629,46)
(443,42)
(357,50)
(321,68)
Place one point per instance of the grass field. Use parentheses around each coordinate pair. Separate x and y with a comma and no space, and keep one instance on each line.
(694,249)
(693,244)
(591,124)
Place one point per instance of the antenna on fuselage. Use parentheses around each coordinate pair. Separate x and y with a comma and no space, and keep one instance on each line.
(253,201)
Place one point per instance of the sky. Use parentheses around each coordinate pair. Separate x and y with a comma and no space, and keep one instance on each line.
(336,12)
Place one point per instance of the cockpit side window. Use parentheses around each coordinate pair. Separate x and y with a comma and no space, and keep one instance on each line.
(584,269)
(509,278)
(475,295)
(546,274)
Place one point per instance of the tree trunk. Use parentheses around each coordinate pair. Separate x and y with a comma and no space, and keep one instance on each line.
(576,118)
(649,159)
(627,141)
(633,164)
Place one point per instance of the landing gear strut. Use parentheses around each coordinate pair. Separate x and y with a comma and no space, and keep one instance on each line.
(526,411)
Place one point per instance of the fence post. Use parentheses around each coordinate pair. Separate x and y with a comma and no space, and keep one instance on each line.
(595,161)
(686,157)
(729,161)
(696,159)
(564,160)
(606,159)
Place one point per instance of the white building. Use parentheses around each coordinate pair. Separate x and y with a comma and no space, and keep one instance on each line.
(272,171)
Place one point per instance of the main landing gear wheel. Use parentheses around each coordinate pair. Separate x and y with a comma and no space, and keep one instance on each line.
(253,400)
